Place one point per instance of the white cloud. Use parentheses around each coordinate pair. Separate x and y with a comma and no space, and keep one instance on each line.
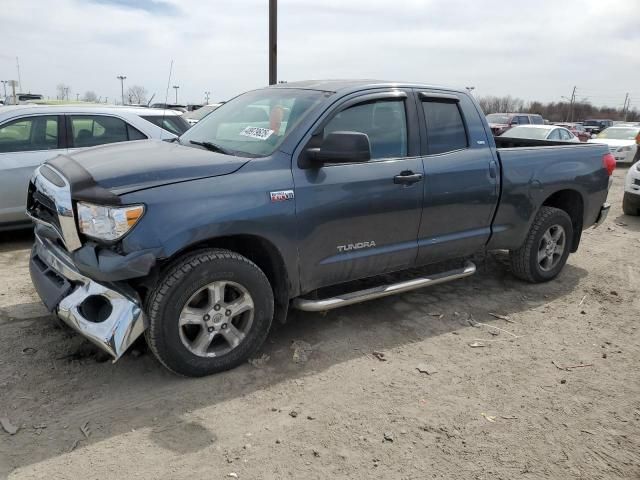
(534,50)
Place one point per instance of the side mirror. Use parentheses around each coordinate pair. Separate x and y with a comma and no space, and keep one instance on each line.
(341,147)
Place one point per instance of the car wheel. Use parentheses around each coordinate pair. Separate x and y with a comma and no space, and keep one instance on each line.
(546,247)
(210,312)
(628,205)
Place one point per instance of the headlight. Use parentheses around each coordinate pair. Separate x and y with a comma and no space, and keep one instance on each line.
(638,166)
(624,149)
(107,223)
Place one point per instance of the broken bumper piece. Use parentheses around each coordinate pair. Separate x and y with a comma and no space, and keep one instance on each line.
(103,315)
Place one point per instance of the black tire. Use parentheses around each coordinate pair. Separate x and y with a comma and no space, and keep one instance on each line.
(176,287)
(628,206)
(524,261)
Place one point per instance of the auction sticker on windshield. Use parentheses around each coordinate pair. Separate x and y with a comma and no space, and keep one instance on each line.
(256,132)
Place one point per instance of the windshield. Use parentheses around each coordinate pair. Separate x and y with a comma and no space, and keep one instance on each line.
(619,133)
(527,132)
(593,123)
(497,118)
(255,123)
(200,113)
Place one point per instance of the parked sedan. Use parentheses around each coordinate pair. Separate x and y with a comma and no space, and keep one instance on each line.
(622,139)
(32,134)
(195,116)
(577,129)
(542,132)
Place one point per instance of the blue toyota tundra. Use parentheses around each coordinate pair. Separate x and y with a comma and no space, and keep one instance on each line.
(203,242)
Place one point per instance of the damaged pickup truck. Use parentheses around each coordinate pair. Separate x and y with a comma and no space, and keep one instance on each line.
(285,196)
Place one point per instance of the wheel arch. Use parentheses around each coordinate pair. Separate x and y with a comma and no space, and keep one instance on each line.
(572,202)
(260,251)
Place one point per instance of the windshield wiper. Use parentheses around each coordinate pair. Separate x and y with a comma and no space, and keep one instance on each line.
(212,147)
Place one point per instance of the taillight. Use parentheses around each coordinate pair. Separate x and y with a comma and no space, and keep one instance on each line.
(609,163)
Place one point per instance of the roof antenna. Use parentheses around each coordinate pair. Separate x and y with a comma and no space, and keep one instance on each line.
(166,98)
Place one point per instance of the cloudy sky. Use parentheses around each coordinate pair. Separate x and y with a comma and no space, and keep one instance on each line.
(530,49)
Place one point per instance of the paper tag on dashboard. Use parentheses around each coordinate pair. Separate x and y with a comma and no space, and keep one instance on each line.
(256,132)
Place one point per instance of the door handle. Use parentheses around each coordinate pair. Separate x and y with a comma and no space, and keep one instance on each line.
(407,177)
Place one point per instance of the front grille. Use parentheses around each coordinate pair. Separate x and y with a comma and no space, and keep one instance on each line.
(612,149)
(49,203)
(636,181)
(42,207)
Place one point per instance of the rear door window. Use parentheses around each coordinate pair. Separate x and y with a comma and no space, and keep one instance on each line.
(29,134)
(554,135)
(446,131)
(523,120)
(537,120)
(91,130)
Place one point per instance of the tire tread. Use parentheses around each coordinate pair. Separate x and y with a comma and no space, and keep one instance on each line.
(175,274)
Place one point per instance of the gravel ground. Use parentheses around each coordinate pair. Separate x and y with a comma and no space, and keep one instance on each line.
(458,393)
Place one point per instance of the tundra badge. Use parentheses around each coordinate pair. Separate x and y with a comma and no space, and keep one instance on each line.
(356,246)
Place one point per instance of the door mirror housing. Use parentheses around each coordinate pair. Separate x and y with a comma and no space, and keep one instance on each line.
(340,147)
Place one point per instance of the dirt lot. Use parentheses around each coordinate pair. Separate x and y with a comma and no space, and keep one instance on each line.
(508,409)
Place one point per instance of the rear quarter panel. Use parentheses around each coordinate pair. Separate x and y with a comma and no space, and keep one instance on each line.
(532,175)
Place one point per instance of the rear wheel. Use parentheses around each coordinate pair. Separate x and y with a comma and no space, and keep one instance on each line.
(210,312)
(546,248)
(629,206)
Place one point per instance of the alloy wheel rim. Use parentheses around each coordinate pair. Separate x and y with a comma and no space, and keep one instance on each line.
(216,319)
(551,247)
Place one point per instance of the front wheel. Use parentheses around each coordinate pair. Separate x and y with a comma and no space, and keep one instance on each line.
(546,248)
(210,312)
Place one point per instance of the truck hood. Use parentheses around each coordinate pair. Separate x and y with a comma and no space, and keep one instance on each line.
(129,166)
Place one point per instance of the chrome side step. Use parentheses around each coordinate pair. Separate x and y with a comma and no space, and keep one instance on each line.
(383,290)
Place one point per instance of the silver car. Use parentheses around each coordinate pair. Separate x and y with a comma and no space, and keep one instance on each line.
(32,134)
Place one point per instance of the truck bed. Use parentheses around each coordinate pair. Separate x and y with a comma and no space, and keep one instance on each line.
(534,170)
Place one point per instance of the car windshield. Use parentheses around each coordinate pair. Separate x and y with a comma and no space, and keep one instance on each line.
(614,133)
(527,132)
(200,113)
(497,118)
(593,123)
(255,123)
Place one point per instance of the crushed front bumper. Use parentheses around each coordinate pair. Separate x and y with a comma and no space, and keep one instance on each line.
(107,317)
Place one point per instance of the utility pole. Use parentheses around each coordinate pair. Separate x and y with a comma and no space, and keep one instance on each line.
(4,84)
(19,77)
(573,100)
(176,87)
(77,97)
(625,105)
(122,78)
(206,97)
(273,42)
(12,84)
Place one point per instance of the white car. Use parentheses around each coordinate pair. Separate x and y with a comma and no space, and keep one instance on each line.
(32,134)
(541,132)
(195,116)
(622,140)
(631,198)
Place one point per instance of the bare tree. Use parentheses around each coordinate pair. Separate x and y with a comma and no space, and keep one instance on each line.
(62,91)
(90,96)
(554,111)
(137,94)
